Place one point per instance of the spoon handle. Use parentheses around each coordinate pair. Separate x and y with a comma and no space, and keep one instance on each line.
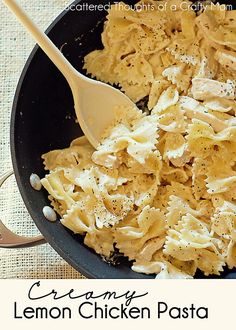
(44,42)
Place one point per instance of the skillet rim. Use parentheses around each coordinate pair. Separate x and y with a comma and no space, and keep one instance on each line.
(84,269)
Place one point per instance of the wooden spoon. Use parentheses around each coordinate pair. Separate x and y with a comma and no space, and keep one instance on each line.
(94,101)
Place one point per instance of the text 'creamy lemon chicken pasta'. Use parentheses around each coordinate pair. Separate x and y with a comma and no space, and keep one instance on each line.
(161,186)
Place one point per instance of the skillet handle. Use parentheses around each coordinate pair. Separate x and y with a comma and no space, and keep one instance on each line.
(10,240)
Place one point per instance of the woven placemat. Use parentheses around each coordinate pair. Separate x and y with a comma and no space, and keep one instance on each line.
(15,46)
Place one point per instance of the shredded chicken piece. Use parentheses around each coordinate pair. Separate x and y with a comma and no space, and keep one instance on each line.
(204,88)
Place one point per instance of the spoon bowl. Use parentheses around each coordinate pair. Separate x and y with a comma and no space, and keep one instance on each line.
(94,104)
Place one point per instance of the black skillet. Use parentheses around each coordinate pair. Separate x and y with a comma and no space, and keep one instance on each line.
(43,119)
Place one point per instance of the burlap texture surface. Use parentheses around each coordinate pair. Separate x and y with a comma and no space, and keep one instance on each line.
(15,46)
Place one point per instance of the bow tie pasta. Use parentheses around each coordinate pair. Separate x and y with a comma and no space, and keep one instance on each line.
(161,187)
